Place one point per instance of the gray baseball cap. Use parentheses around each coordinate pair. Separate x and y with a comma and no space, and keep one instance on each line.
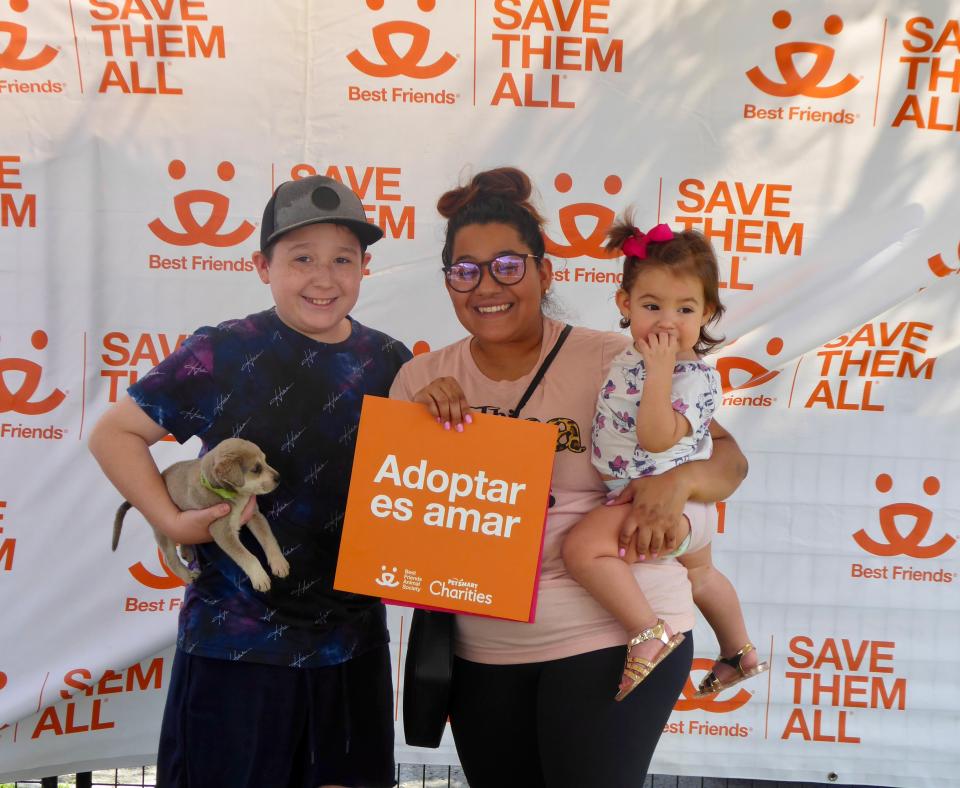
(315,200)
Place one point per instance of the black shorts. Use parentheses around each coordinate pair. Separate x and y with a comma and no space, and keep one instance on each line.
(246,725)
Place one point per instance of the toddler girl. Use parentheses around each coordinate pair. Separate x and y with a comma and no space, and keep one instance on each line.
(653,414)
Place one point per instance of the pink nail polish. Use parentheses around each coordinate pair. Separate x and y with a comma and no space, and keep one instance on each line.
(468,418)
(641,557)
(622,552)
(446,425)
(459,428)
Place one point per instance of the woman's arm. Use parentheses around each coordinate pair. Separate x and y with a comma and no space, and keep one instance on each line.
(658,501)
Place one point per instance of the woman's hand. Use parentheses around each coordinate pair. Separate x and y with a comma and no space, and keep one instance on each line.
(653,526)
(447,403)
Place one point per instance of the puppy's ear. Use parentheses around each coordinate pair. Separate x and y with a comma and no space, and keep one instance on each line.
(229,470)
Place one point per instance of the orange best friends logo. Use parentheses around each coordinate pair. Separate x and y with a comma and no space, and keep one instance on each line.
(12,56)
(574,219)
(809,84)
(164,581)
(733,368)
(917,522)
(25,400)
(940,267)
(709,703)
(210,232)
(392,63)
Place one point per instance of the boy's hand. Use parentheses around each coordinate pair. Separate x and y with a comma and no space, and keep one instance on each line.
(655,518)
(446,402)
(193,525)
(659,352)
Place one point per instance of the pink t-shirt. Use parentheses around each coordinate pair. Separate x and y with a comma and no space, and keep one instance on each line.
(568,620)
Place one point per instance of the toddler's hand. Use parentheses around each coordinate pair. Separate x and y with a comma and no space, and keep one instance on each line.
(447,403)
(659,351)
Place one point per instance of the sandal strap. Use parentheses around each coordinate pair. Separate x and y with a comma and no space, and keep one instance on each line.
(735,661)
(657,632)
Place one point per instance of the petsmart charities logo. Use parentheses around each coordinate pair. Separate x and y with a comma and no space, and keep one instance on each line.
(18,208)
(832,678)
(24,393)
(20,53)
(930,58)
(566,239)
(141,39)
(217,229)
(905,530)
(540,43)
(820,80)
(750,222)
(379,188)
(406,49)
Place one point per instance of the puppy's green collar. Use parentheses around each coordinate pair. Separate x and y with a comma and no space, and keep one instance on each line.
(223,492)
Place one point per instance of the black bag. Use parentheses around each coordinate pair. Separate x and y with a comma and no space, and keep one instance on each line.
(427,677)
(428,673)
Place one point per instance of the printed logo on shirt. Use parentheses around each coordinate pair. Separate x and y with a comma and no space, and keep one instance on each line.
(545,51)
(930,79)
(905,530)
(18,54)
(23,392)
(405,48)
(18,208)
(819,80)
(381,189)
(142,41)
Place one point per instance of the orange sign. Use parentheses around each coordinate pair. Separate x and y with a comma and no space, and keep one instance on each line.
(448,520)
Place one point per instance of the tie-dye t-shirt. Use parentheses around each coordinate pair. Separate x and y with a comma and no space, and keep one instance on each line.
(299,400)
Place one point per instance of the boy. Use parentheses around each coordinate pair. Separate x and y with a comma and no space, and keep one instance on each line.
(289,687)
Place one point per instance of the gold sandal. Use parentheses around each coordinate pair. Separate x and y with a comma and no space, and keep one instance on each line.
(711,685)
(636,669)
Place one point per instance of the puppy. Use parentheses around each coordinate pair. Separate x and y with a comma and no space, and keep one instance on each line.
(232,471)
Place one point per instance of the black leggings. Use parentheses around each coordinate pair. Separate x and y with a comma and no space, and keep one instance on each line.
(555,724)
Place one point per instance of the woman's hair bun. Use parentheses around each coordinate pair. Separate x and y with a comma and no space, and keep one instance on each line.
(507,183)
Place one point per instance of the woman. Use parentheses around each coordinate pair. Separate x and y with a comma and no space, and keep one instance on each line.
(532,704)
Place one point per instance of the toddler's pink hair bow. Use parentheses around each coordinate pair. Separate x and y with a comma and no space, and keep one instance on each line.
(636,244)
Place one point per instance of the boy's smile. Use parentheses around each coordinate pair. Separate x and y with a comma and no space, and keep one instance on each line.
(314,275)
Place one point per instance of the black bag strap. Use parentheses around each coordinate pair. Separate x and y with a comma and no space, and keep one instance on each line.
(515,413)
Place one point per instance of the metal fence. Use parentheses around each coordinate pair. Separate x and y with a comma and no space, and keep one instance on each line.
(408,776)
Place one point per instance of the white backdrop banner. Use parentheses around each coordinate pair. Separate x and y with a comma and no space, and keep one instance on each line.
(815,143)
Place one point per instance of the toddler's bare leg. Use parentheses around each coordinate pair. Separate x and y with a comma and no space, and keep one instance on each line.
(590,552)
(717,599)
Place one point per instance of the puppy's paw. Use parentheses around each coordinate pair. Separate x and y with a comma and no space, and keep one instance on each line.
(260,581)
(280,567)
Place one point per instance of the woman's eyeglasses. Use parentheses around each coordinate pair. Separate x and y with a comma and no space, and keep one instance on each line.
(507,269)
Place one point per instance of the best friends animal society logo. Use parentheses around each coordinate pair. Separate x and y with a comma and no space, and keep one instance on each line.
(821,80)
